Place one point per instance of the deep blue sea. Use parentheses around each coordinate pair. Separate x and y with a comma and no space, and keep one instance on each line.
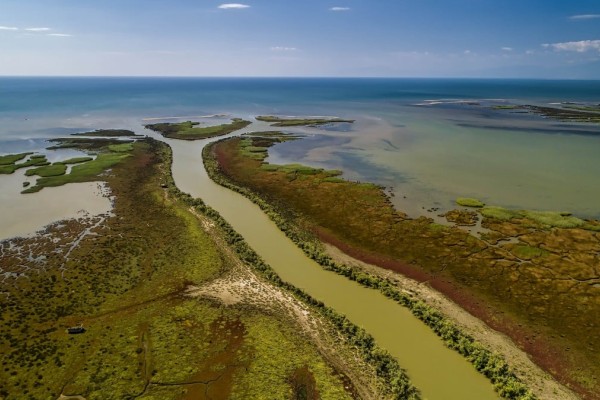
(427,140)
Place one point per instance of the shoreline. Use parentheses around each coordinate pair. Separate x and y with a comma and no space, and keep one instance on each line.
(326,263)
(543,384)
(276,217)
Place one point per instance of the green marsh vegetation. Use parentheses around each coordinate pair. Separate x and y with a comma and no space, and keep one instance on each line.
(106,133)
(543,292)
(568,113)
(127,281)
(47,170)
(85,144)
(86,169)
(75,160)
(469,202)
(292,121)
(189,130)
(12,158)
(8,163)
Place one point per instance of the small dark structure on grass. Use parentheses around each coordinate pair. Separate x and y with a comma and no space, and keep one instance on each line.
(76,329)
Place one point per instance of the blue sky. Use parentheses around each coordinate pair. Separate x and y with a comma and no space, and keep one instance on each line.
(417,38)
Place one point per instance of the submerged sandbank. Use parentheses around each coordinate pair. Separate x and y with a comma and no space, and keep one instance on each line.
(24,214)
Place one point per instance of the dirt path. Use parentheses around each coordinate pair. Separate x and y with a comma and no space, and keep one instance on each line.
(540,382)
(242,285)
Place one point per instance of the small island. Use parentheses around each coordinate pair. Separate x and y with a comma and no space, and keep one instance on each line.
(189,130)
(107,133)
(567,113)
(294,121)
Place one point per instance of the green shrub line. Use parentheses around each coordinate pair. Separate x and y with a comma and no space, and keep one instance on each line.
(492,365)
(386,367)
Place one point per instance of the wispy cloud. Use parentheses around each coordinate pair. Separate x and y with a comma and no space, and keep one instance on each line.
(507,49)
(282,48)
(37,29)
(339,9)
(8,28)
(581,46)
(228,6)
(584,16)
(59,34)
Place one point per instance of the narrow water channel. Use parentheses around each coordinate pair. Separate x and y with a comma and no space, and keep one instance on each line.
(440,373)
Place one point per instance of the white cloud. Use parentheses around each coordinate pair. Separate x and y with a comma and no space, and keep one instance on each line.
(59,34)
(467,52)
(228,6)
(37,29)
(339,9)
(580,47)
(281,48)
(8,28)
(507,48)
(584,16)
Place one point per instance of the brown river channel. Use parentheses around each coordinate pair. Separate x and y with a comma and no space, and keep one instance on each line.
(440,373)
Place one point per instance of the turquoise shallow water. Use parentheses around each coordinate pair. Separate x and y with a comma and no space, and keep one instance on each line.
(429,140)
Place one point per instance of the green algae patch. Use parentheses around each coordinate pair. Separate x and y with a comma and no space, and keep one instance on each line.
(190,130)
(55,169)
(547,219)
(500,213)
(292,121)
(469,202)
(553,219)
(528,252)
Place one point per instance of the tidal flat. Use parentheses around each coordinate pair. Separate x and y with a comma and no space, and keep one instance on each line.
(532,276)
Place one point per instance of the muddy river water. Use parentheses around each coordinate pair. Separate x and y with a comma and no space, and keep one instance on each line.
(437,371)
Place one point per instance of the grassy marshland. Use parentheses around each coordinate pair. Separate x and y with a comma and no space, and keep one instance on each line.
(131,280)
(8,163)
(291,121)
(541,290)
(569,113)
(191,131)
(106,133)
(54,175)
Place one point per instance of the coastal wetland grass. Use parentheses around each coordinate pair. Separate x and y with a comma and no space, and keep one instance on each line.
(55,169)
(34,160)
(469,202)
(189,130)
(533,276)
(125,281)
(83,172)
(293,121)
(12,158)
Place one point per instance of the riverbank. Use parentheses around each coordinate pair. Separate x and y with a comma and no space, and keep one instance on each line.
(292,182)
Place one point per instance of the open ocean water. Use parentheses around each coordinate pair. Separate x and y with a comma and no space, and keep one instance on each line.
(427,140)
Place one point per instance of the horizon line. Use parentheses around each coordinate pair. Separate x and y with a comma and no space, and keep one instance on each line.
(299,77)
